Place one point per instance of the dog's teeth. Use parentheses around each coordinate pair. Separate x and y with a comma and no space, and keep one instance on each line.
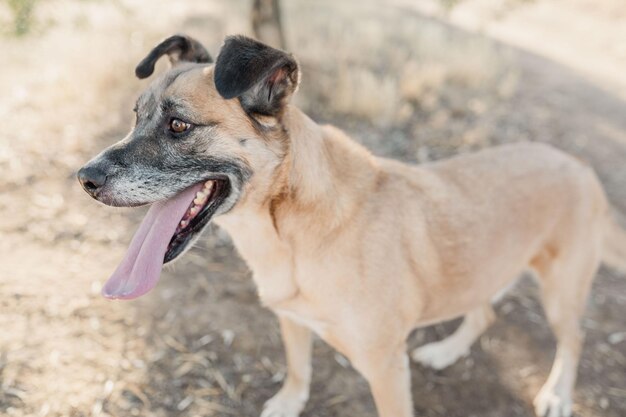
(203,194)
(184,223)
(194,210)
(200,198)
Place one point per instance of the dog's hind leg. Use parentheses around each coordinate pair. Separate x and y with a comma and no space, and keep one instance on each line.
(292,397)
(565,279)
(443,353)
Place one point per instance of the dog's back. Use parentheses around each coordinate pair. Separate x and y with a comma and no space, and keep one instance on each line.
(531,196)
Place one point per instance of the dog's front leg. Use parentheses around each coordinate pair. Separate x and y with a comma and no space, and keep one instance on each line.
(389,377)
(291,398)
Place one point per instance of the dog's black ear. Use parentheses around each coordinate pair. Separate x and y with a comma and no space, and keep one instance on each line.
(263,78)
(178,48)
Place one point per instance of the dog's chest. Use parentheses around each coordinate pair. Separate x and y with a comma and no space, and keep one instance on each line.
(307,305)
(277,270)
(268,257)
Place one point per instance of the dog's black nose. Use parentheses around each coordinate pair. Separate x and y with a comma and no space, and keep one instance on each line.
(92,179)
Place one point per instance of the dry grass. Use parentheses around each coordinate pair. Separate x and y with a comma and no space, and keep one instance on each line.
(368,71)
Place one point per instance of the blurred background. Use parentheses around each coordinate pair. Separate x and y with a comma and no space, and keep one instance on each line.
(417,80)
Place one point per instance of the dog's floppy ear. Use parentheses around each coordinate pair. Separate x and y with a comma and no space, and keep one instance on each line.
(263,78)
(178,48)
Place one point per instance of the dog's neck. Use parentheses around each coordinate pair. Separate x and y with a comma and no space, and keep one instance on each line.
(307,164)
(325,169)
(321,182)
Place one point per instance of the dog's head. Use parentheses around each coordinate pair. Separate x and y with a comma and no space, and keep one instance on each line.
(202,132)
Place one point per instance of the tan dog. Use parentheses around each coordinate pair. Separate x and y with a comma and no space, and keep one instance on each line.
(359,249)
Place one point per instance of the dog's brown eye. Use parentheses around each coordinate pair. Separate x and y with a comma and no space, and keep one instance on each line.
(178,126)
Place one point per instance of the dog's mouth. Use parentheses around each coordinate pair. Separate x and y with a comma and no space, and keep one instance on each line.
(199,213)
(167,230)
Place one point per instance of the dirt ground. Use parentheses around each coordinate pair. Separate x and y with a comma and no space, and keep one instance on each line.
(409,79)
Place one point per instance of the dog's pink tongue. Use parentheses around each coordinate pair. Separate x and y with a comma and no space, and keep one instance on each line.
(141,267)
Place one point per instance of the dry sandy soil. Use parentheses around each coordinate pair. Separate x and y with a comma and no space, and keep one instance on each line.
(410,80)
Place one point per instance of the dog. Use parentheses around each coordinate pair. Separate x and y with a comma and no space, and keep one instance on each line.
(359,249)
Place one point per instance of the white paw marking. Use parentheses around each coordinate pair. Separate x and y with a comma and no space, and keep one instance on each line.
(550,403)
(284,404)
(438,355)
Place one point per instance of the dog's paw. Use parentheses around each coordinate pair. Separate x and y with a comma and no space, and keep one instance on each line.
(284,404)
(438,355)
(549,403)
